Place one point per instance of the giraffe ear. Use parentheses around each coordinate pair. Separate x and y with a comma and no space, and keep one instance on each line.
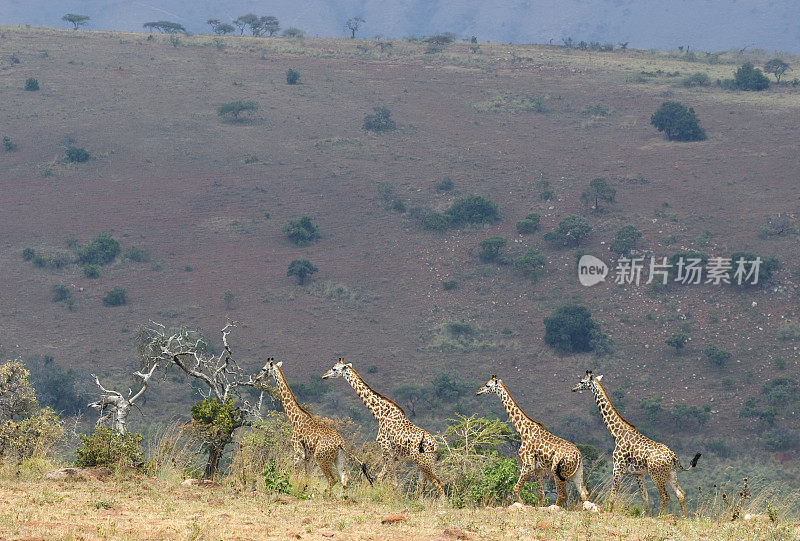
(598,378)
(350,365)
(279,364)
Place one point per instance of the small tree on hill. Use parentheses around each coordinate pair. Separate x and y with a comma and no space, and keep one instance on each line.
(302,268)
(569,232)
(233,109)
(625,240)
(473,209)
(100,251)
(380,121)
(301,231)
(220,28)
(598,190)
(777,67)
(530,264)
(748,77)
(529,224)
(293,32)
(490,248)
(677,122)
(292,77)
(570,328)
(677,341)
(270,25)
(353,24)
(165,27)
(75,20)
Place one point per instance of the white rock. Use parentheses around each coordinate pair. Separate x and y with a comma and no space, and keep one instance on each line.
(591,507)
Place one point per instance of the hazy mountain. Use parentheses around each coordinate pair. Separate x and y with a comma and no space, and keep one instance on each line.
(708,25)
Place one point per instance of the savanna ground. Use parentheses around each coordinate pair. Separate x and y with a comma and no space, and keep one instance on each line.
(207,198)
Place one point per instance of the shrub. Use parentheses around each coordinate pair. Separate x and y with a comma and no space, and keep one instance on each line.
(696,79)
(274,480)
(716,355)
(530,264)
(685,256)
(139,255)
(302,268)
(101,250)
(652,407)
(779,439)
(380,121)
(77,155)
(681,413)
(768,265)
(748,77)
(677,122)
(780,391)
(473,209)
(444,185)
(60,292)
(116,297)
(570,231)
(31,84)
(436,221)
(293,32)
(458,328)
(598,190)
(490,248)
(28,254)
(529,224)
(33,436)
(677,340)
(8,144)
(107,447)
(777,226)
(233,109)
(625,240)
(301,231)
(570,328)
(449,285)
(213,423)
(750,409)
(292,77)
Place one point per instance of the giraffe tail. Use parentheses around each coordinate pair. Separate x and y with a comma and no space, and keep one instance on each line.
(692,464)
(558,470)
(362,465)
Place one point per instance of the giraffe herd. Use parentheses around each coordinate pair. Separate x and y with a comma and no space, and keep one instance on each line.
(541,453)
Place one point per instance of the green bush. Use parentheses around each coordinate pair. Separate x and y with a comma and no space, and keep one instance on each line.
(91,271)
(748,77)
(106,447)
(100,251)
(530,263)
(570,328)
(677,340)
(677,122)
(697,79)
(436,221)
(292,77)
(529,224)
(473,209)
(781,391)
(779,439)
(301,231)
(233,109)
(77,155)
(302,269)
(681,412)
(28,254)
(60,292)
(458,328)
(8,144)
(31,84)
(380,121)
(652,407)
(625,240)
(490,248)
(274,480)
(498,480)
(444,185)
(139,255)
(569,232)
(116,297)
(449,285)
(716,355)
(768,265)
(598,190)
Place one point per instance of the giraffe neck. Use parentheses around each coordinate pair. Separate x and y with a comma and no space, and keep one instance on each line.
(290,405)
(611,417)
(380,406)
(515,413)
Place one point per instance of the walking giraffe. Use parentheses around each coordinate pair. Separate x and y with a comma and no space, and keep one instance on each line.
(541,453)
(311,437)
(397,436)
(635,454)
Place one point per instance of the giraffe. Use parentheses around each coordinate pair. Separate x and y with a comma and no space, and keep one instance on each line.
(635,454)
(311,437)
(541,453)
(397,437)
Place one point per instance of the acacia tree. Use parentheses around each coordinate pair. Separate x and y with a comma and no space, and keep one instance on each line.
(220,28)
(598,190)
(75,19)
(302,268)
(222,384)
(353,24)
(165,27)
(777,67)
(677,122)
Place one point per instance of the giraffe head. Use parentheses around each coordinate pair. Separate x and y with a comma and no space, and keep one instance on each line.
(587,382)
(270,369)
(338,370)
(492,386)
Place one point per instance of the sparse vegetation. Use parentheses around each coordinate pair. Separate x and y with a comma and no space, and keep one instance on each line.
(294,33)
(101,250)
(569,232)
(292,77)
(380,121)
(530,264)
(107,447)
(302,269)
(77,154)
(716,355)
(116,297)
(529,224)
(625,241)
(31,84)
(75,20)
(677,340)
(598,190)
(491,249)
(233,109)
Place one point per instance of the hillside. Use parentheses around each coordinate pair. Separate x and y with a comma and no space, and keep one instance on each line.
(207,197)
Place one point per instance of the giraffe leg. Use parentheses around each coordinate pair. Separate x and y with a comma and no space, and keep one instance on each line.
(660,477)
(643,493)
(340,462)
(561,492)
(425,465)
(618,473)
(577,480)
(523,476)
(676,488)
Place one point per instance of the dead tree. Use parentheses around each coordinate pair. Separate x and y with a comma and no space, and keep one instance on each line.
(113,407)
(224,407)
